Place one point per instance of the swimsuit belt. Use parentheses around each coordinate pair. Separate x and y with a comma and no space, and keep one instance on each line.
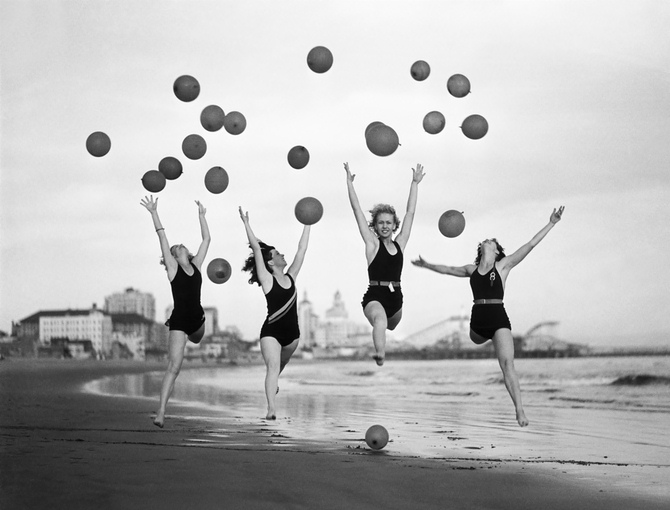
(488,301)
(382,283)
(284,309)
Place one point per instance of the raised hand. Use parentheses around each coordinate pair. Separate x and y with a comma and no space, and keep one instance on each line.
(201,208)
(243,215)
(418,173)
(419,262)
(556,215)
(350,177)
(149,203)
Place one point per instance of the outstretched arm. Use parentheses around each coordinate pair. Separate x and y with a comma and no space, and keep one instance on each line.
(151,205)
(512,260)
(407,222)
(462,271)
(206,239)
(264,276)
(369,238)
(295,266)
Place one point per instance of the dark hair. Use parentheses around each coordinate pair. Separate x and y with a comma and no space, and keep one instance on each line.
(250,263)
(382,209)
(500,256)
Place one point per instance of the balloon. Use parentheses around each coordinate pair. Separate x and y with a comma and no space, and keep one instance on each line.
(216,180)
(153,181)
(308,210)
(194,146)
(234,123)
(219,270)
(212,117)
(319,59)
(170,167)
(420,70)
(458,85)
(451,223)
(376,437)
(186,88)
(98,144)
(475,127)
(382,140)
(433,122)
(298,157)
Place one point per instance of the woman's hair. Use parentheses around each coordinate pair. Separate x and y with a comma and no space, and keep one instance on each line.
(172,250)
(381,209)
(250,263)
(501,252)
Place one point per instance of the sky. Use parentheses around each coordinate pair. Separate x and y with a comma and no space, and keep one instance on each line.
(576,94)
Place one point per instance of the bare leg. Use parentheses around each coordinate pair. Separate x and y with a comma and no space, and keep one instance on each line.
(271,350)
(177,342)
(376,316)
(504,345)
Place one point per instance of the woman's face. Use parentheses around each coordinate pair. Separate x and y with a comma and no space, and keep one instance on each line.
(179,250)
(490,245)
(277,258)
(384,225)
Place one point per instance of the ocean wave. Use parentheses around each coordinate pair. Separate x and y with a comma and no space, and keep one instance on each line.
(640,380)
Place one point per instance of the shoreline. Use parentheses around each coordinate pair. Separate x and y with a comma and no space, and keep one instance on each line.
(63,447)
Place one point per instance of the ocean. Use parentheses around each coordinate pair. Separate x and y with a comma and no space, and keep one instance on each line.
(592,410)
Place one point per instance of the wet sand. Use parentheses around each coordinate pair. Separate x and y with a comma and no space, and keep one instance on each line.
(61,447)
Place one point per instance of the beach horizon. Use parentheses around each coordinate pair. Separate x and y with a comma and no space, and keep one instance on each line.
(63,447)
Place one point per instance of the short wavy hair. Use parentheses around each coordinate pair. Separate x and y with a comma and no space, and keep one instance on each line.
(383,209)
(500,256)
(250,262)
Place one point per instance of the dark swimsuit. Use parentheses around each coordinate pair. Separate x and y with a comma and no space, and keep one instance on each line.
(282,320)
(385,268)
(488,318)
(188,314)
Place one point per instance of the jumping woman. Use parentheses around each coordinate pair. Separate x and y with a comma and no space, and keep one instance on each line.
(382,303)
(488,320)
(187,322)
(279,333)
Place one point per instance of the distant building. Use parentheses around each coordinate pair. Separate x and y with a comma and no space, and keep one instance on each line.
(41,327)
(131,301)
(336,332)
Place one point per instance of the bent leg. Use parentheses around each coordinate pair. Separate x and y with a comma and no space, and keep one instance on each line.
(197,336)
(376,316)
(271,351)
(504,345)
(286,353)
(394,320)
(177,342)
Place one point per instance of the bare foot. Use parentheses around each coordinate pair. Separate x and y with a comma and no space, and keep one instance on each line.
(521,418)
(271,416)
(378,359)
(159,422)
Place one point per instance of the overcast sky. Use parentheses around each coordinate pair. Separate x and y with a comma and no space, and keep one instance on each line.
(576,93)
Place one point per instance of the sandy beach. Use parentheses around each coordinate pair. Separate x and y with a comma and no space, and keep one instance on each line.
(62,447)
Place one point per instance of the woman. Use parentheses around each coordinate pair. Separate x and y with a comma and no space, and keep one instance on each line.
(489,320)
(382,303)
(279,333)
(187,321)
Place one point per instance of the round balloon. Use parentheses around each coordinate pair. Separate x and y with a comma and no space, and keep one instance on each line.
(451,223)
(372,125)
(219,270)
(376,437)
(170,167)
(433,122)
(420,70)
(194,146)
(475,127)
(98,144)
(153,181)
(319,59)
(234,123)
(298,157)
(308,210)
(382,140)
(458,85)
(216,180)
(186,88)
(212,117)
